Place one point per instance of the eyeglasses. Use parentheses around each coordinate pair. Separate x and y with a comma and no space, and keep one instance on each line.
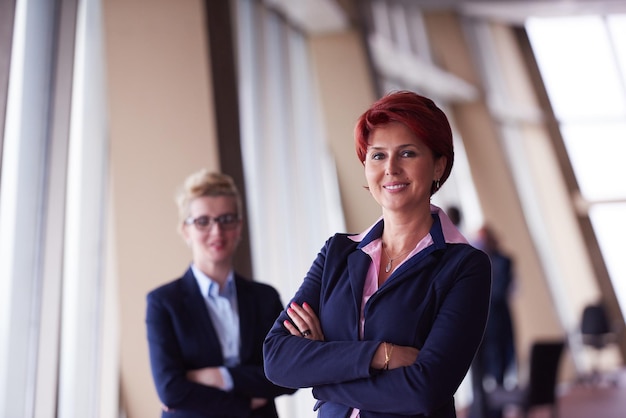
(204,222)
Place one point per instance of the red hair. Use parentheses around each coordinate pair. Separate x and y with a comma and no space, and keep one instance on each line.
(420,114)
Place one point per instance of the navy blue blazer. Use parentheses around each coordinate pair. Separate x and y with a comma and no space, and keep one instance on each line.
(181,337)
(437,301)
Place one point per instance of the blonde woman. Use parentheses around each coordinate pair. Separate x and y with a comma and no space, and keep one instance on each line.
(206,328)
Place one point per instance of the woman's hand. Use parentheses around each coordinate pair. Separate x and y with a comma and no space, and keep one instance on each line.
(207,376)
(211,376)
(304,322)
(399,356)
(256,403)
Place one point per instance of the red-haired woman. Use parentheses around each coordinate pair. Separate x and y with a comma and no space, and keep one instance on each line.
(386,322)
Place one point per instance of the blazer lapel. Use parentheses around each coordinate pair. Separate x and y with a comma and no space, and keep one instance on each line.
(245,302)
(194,301)
(358,265)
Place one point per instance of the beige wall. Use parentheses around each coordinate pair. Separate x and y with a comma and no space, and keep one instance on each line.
(162,129)
(346,90)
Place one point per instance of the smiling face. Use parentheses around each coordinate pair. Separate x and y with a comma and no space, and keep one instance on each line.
(400,169)
(213,244)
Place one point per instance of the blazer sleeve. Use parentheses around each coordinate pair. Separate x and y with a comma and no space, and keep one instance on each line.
(444,359)
(169,369)
(297,362)
(263,306)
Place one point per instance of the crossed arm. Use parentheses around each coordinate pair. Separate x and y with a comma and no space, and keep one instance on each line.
(386,357)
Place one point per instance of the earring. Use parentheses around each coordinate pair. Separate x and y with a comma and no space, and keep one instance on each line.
(437,184)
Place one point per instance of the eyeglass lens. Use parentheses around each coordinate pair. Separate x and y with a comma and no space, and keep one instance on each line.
(226,221)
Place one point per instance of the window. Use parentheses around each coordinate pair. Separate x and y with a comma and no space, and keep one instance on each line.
(583,64)
(290,178)
(52,290)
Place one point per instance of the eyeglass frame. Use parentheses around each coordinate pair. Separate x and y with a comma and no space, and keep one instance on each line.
(215,220)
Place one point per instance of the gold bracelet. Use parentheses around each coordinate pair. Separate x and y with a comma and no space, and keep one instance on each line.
(387,357)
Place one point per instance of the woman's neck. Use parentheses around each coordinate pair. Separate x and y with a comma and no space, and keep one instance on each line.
(402,233)
(218,272)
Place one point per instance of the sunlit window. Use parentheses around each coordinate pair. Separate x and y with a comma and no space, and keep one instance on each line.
(583,64)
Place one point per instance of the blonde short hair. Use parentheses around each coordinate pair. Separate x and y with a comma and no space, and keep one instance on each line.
(205,183)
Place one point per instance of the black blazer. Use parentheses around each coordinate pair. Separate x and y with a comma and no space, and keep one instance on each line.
(181,337)
(436,301)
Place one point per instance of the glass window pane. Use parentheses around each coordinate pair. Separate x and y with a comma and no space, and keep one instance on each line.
(609,222)
(617,28)
(583,64)
(578,68)
(597,154)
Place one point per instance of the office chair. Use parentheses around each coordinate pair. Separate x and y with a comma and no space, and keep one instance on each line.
(540,390)
(596,332)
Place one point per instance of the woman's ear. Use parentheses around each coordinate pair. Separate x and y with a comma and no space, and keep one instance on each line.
(440,166)
(184,232)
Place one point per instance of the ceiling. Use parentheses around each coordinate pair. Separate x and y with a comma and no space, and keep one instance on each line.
(323,16)
(518,11)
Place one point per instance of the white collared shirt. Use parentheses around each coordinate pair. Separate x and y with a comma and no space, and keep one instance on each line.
(224,313)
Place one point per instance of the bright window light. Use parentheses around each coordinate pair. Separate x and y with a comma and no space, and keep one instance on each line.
(583,64)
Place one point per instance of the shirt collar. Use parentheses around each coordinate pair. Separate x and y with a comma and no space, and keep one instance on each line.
(210,287)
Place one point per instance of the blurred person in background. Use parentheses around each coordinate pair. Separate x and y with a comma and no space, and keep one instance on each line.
(206,328)
(454,213)
(496,358)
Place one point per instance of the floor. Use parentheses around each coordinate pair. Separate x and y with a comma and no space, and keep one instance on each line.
(604,399)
